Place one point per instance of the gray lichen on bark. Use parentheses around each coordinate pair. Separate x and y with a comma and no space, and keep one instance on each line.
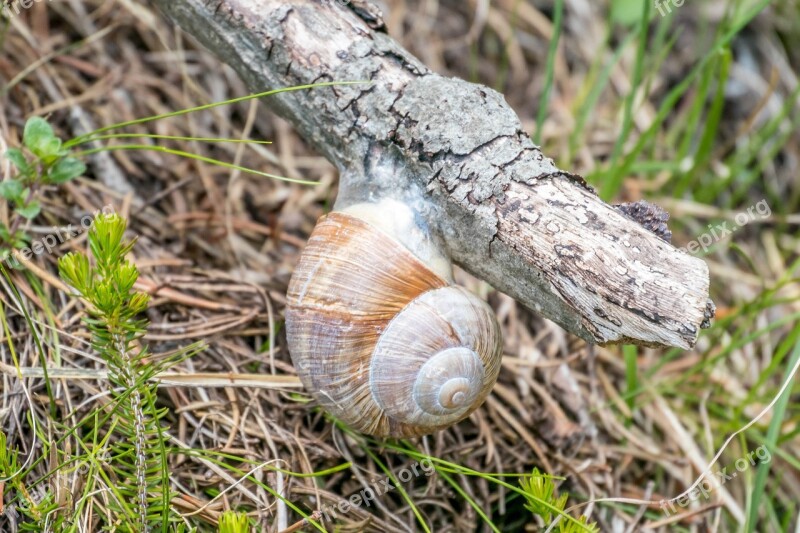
(457,152)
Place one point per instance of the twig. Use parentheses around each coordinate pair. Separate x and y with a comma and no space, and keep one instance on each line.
(166,379)
(297,526)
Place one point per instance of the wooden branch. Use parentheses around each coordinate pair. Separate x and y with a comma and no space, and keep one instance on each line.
(457,152)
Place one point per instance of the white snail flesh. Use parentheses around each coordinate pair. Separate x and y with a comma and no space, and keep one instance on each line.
(378,333)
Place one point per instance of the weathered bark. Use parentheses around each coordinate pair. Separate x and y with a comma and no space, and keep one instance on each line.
(457,152)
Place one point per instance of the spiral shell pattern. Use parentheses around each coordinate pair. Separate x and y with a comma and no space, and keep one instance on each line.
(380,340)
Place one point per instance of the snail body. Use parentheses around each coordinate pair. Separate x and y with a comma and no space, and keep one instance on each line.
(377,331)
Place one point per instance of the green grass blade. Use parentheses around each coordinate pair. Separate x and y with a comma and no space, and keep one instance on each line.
(544,103)
(446,466)
(597,88)
(691,124)
(204,107)
(189,155)
(39,348)
(619,171)
(399,488)
(611,186)
(771,441)
(630,353)
(704,150)
(470,501)
(169,138)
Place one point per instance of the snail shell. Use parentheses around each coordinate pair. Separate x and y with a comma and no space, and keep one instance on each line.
(381,338)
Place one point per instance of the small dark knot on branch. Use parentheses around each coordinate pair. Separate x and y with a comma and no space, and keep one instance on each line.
(650,216)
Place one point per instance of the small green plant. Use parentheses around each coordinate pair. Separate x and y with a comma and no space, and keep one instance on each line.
(35,504)
(130,435)
(540,493)
(233,522)
(137,461)
(43,160)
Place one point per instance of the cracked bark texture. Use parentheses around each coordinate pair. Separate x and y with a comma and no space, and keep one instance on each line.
(457,152)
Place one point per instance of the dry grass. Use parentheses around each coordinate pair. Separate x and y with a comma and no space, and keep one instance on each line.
(217,247)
